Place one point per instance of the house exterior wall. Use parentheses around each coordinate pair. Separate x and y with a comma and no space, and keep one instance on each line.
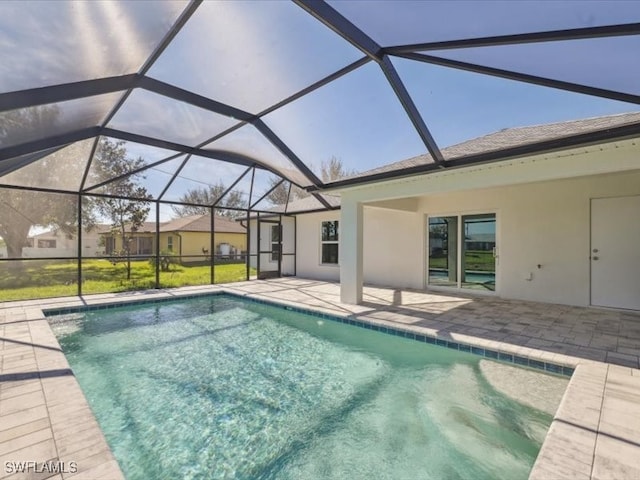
(393,250)
(188,243)
(193,243)
(66,245)
(118,245)
(91,245)
(392,238)
(238,241)
(308,247)
(288,246)
(546,224)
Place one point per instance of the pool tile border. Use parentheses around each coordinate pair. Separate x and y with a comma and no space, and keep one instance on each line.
(492,354)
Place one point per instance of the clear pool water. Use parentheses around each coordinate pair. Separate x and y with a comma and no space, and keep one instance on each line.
(219,388)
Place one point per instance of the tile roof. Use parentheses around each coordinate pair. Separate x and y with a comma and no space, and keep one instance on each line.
(146,227)
(201,223)
(192,223)
(514,137)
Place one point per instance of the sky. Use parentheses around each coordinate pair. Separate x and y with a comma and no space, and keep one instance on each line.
(275,48)
(254,54)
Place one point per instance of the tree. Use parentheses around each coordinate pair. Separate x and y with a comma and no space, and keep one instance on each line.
(20,210)
(208,196)
(19,125)
(126,216)
(330,171)
(333,169)
(280,194)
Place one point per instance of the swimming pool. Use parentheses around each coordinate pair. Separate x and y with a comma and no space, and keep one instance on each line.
(217,387)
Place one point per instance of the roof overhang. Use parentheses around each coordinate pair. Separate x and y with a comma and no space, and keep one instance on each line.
(593,159)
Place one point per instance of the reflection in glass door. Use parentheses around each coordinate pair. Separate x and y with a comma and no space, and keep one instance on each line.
(443,251)
(479,252)
(462,251)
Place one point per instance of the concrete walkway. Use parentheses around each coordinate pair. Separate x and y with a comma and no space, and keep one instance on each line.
(595,433)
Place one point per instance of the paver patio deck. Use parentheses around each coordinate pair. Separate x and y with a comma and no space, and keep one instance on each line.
(595,433)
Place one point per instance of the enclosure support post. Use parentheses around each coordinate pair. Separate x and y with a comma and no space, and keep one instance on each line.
(248,252)
(253,176)
(79,279)
(258,244)
(350,236)
(279,246)
(212,246)
(295,246)
(157,244)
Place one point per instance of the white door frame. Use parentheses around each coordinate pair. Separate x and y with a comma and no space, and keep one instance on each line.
(425,250)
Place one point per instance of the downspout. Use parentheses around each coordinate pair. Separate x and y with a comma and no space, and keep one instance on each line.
(180,248)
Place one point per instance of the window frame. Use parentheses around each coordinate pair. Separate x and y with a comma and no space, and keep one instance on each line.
(110,245)
(324,242)
(460,215)
(46,243)
(141,243)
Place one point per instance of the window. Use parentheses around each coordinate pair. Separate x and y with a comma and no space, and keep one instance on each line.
(275,242)
(109,245)
(170,243)
(46,244)
(329,242)
(143,246)
(29,242)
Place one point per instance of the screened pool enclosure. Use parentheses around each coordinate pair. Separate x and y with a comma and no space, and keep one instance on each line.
(137,139)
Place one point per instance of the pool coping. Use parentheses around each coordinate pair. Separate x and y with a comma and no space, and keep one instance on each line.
(582,441)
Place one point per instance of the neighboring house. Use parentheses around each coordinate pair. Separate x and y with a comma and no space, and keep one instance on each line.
(557,227)
(187,237)
(56,243)
(190,236)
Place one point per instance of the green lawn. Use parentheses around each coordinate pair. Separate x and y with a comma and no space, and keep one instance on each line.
(52,278)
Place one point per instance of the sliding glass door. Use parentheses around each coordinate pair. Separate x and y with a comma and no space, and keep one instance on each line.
(443,251)
(462,251)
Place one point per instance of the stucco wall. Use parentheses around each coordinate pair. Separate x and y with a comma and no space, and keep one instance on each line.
(546,224)
(66,246)
(308,247)
(288,245)
(194,242)
(118,246)
(392,238)
(393,242)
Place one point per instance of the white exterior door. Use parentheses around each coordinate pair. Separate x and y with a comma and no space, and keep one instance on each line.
(615,252)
